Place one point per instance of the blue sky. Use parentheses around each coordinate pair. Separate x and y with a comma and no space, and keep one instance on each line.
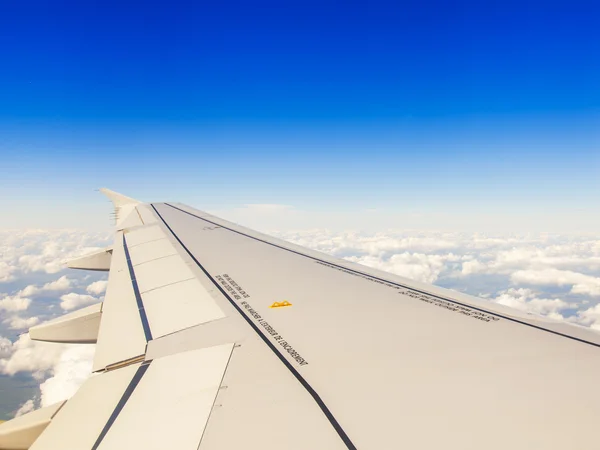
(470,113)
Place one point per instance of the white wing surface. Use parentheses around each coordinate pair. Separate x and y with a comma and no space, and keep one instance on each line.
(213,336)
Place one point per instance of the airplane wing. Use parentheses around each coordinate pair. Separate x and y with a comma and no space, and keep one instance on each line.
(214,336)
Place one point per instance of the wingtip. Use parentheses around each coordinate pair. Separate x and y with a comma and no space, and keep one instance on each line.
(118,199)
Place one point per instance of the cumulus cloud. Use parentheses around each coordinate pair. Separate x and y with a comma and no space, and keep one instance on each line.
(29,291)
(26,259)
(417,266)
(5,347)
(25,408)
(6,271)
(61,367)
(30,251)
(73,301)
(14,303)
(60,284)
(581,283)
(528,301)
(73,367)
(25,355)
(21,323)
(97,287)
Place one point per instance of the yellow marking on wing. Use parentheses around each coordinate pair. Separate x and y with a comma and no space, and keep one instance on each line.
(280,304)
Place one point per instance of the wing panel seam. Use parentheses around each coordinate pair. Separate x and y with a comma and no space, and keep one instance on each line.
(122,402)
(138,296)
(328,414)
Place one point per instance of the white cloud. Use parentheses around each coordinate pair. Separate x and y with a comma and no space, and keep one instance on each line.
(97,287)
(61,284)
(417,266)
(6,272)
(25,408)
(61,367)
(21,323)
(70,371)
(26,355)
(581,284)
(74,300)
(30,251)
(29,291)
(5,347)
(527,300)
(14,303)
(30,255)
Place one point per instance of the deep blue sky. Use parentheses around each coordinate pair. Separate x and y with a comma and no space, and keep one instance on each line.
(315,104)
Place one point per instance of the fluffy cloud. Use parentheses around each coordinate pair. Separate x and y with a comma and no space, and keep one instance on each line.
(14,303)
(60,284)
(97,287)
(72,368)
(25,355)
(527,300)
(61,367)
(581,283)
(21,323)
(6,271)
(30,251)
(5,348)
(73,301)
(26,259)
(417,266)
(25,408)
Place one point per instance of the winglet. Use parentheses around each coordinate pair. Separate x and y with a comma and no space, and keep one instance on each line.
(124,206)
(119,199)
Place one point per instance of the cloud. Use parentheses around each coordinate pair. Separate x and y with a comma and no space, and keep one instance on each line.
(5,347)
(6,272)
(14,303)
(589,317)
(21,323)
(73,367)
(73,300)
(31,251)
(581,283)
(60,284)
(527,300)
(29,291)
(25,408)
(26,355)
(417,266)
(61,368)
(97,287)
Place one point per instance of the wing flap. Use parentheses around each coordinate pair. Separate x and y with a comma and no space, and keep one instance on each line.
(96,261)
(121,336)
(78,327)
(171,404)
(178,306)
(20,433)
(82,419)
